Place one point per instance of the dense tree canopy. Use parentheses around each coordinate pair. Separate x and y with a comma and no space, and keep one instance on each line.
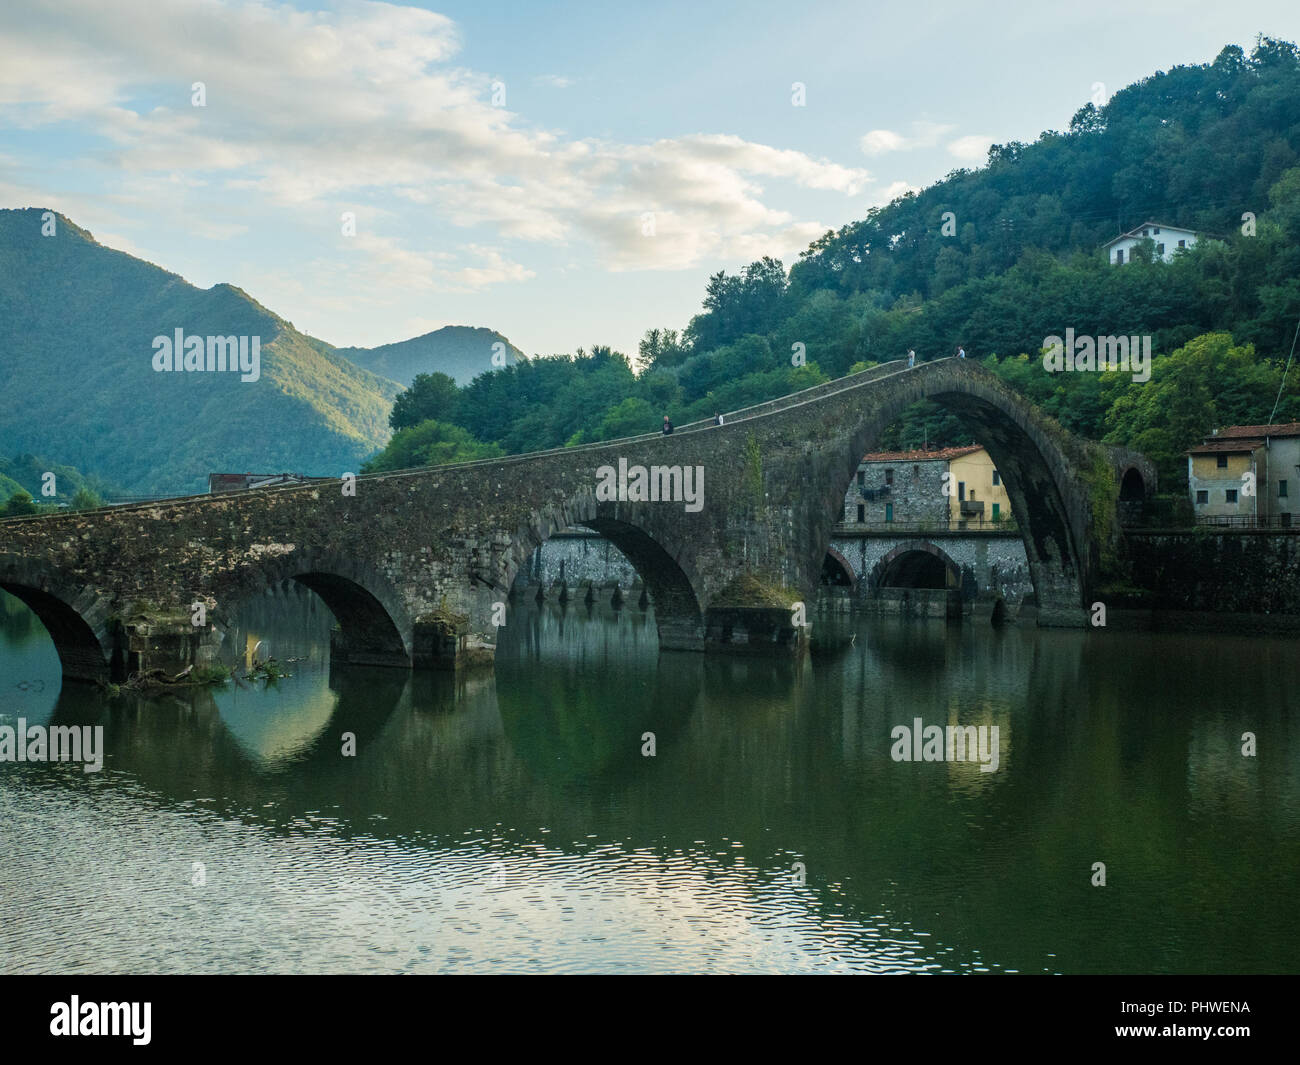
(996,259)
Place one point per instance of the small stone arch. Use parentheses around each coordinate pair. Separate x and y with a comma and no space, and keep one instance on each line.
(374,627)
(631,528)
(78,619)
(1132,486)
(888,564)
(841,563)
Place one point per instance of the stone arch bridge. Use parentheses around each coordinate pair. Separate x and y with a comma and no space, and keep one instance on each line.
(416,565)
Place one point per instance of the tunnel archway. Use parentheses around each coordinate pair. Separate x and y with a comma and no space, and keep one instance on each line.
(1132,488)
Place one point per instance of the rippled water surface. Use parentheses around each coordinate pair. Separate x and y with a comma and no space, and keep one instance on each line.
(510,821)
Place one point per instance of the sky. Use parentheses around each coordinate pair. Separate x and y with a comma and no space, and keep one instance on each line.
(568,174)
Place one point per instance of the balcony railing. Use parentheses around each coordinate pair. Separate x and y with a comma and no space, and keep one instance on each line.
(952,525)
(1248,521)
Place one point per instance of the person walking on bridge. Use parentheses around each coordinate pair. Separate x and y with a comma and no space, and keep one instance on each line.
(668,426)
(911,358)
(961,352)
(717,419)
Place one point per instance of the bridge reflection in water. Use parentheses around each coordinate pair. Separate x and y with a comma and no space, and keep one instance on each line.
(510,820)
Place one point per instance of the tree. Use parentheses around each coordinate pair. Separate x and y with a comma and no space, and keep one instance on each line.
(85,499)
(19,503)
(630,418)
(432,396)
(430,443)
(661,348)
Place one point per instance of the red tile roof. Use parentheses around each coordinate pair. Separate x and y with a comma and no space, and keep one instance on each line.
(938,455)
(1243,446)
(1242,438)
(1260,431)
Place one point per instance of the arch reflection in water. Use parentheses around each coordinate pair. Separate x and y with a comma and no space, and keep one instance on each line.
(576,701)
(511,821)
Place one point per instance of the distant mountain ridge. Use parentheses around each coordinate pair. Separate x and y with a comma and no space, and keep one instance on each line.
(462,352)
(77,327)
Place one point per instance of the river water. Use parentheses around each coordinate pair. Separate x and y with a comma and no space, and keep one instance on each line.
(513,821)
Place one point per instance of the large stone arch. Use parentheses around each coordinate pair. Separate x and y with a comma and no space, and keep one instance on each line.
(78,619)
(1039,462)
(646,539)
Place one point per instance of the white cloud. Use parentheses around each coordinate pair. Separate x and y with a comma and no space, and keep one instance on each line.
(971,149)
(307,109)
(924,134)
(879,141)
(895,189)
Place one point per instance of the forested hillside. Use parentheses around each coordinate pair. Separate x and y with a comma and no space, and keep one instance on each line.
(77,324)
(998,259)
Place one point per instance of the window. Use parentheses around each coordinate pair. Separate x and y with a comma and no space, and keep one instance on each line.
(1145,233)
(1286,519)
(997,478)
(1160,249)
(961,489)
(889,475)
(862,478)
(862,513)
(889,512)
(1230,495)
(997,512)
(1155,231)
(1119,255)
(1182,243)
(1222,462)
(1281,489)
(1201,497)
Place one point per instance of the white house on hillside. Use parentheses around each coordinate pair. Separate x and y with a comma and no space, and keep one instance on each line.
(1169,239)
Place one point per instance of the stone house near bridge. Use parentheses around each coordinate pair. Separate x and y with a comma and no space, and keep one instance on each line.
(908,487)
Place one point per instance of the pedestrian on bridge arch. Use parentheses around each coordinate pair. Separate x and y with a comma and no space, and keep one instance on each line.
(668,426)
(911,358)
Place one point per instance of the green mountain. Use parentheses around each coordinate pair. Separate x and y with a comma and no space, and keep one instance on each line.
(78,323)
(462,352)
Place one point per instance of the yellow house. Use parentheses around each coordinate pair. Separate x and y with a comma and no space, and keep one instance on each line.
(978,493)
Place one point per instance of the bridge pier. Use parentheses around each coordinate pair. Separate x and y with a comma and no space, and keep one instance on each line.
(445,642)
(754,630)
(170,642)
